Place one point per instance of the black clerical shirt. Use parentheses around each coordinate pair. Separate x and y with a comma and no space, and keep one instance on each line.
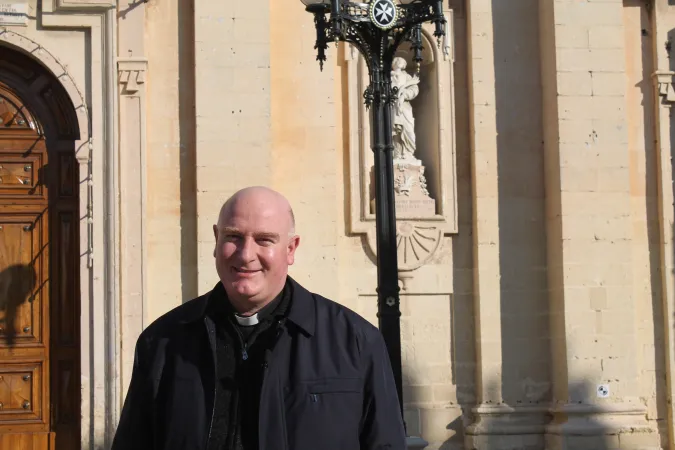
(240,358)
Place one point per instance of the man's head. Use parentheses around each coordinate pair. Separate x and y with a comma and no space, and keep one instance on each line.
(255,244)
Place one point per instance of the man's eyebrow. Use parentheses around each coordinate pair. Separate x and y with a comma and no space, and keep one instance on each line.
(261,234)
(230,230)
(264,234)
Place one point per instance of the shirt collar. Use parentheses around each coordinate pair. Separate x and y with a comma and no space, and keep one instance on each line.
(302,309)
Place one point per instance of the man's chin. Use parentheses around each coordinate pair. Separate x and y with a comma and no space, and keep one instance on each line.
(244,288)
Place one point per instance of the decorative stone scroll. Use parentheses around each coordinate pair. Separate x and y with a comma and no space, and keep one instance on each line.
(424,151)
(664,86)
(131,74)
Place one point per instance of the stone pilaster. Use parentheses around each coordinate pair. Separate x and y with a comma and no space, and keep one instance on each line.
(496,425)
(663,20)
(131,73)
(594,338)
(232,67)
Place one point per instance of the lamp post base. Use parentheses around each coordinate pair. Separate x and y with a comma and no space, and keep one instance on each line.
(416,443)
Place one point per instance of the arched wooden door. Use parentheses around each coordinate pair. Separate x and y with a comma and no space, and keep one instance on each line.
(39,252)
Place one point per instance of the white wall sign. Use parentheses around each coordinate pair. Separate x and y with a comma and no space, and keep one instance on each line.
(13,13)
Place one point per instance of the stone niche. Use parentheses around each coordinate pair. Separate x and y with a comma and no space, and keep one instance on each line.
(424,153)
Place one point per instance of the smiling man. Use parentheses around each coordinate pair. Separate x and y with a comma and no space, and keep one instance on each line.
(259,362)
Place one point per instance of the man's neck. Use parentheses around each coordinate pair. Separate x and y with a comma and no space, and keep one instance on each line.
(247,308)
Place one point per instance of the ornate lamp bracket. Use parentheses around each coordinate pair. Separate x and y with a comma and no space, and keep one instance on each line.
(376,29)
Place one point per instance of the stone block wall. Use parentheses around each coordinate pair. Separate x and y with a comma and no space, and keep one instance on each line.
(553,284)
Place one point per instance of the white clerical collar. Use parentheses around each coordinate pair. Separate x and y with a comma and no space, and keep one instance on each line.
(247,321)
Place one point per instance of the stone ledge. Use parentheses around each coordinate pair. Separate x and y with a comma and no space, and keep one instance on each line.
(509,420)
(599,419)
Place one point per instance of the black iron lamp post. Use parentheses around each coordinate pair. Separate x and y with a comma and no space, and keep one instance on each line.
(377,28)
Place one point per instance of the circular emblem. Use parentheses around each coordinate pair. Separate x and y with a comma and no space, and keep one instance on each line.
(383,13)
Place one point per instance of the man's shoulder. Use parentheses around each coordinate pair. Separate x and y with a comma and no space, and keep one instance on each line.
(338,313)
(181,315)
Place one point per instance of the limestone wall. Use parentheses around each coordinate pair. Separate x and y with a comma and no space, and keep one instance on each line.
(553,284)
(545,318)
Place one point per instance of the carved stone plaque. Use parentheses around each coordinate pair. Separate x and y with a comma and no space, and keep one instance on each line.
(415,207)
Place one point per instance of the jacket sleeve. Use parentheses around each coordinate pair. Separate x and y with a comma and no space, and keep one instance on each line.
(381,423)
(134,430)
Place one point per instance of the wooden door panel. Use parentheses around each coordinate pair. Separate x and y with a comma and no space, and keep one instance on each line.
(64,393)
(15,174)
(27,441)
(65,314)
(21,290)
(20,399)
(20,173)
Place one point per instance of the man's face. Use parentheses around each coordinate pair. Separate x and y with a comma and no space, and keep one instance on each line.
(254,249)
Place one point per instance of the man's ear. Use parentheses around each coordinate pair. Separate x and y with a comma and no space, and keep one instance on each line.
(215,235)
(293,244)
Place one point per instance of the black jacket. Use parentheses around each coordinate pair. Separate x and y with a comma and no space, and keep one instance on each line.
(328,383)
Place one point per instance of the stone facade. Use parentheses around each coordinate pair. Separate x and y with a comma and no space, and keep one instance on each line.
(544,315)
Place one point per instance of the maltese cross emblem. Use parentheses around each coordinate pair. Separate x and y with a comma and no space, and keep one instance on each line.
(383,13)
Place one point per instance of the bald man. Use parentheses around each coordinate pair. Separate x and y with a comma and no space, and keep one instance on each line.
(259,362)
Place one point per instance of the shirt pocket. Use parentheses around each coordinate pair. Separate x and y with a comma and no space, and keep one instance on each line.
(326,411)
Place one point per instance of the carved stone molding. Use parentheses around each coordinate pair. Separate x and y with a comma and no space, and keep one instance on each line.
(96,152)
(664,86)
(424,218)
(500,426)
(131,72)
(502,419)
(60,71)
(83,5)
(573,424)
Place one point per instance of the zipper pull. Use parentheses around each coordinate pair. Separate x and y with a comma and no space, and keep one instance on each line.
(244,354)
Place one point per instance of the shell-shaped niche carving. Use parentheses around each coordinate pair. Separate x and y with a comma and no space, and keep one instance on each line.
(416,243)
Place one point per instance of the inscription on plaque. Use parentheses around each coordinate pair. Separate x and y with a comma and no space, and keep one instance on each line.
(420,207)
(14,14)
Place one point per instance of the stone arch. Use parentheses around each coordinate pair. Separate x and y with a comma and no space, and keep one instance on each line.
(68,102)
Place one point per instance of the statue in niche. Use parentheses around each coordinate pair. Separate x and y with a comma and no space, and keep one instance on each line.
(410,184)
(404,121)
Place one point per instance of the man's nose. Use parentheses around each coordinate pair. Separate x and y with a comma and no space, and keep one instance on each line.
(247,249)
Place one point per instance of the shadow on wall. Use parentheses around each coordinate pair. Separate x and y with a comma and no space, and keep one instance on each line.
(653,219)
(16,285)
(188,144)
(521,204)
(462,316)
